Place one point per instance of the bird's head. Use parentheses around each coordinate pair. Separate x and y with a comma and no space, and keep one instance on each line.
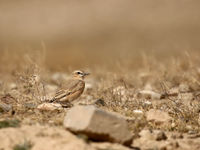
(80,74)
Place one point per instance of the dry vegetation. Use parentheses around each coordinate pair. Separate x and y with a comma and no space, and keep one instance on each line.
(132,47)
(115,87)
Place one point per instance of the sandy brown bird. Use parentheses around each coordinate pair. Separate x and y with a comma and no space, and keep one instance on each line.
(72,89)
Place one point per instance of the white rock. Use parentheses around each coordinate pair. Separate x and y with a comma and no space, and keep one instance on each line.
(148,103)
(158,116)
(98,124)
(149,94)
(49,106)
(138,111)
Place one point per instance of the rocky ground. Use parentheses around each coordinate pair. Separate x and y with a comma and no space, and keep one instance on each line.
(154,107)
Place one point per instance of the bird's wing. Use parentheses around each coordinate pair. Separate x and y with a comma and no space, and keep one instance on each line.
(75,85)
(71,87)
(61,94)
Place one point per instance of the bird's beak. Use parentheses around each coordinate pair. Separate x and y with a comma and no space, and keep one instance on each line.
(86,74)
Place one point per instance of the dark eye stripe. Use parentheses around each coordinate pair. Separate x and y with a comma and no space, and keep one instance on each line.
(79,73)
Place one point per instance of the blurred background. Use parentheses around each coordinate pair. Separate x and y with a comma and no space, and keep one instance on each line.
(81,33)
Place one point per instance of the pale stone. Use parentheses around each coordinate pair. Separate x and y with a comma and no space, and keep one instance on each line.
(98,124)
(158,116)
(138,111)
(148,103)
(49,106)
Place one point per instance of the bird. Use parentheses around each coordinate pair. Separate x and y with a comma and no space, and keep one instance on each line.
(71,90)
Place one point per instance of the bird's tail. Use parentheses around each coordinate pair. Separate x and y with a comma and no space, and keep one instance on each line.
(52,100)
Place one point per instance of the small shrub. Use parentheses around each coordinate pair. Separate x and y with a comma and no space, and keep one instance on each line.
(9,123)
(27,145)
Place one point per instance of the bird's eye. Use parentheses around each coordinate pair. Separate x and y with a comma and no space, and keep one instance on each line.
(79,72)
